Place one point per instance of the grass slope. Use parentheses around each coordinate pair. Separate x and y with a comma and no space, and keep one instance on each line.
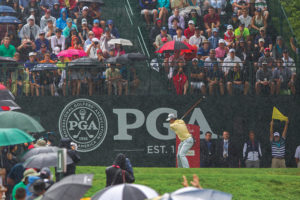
(244,184)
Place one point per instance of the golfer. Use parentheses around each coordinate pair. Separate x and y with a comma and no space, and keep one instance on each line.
(187,141)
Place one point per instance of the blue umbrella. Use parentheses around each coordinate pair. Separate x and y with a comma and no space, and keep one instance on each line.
(42,67)
(9,20)
(6,9)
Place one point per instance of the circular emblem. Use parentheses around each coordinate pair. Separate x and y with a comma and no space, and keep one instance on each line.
(85,123)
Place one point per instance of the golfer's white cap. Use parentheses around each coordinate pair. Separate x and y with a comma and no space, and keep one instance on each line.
(171,116)
(191,22)
(276,134)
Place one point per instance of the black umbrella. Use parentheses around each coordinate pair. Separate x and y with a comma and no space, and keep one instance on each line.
(101,2)
(42,67)
(134,56)
(39,150)
(6,59)
(118,59)
(70,188)
(84,61)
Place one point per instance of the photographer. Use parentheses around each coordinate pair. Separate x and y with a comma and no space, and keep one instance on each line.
(120,172)
(93,48)
(25,48)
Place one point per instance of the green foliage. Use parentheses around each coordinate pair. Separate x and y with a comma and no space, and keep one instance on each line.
(244,184)
(292,9)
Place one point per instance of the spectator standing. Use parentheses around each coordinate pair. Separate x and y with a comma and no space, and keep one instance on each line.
(278,146)
(180,18)
(198,77)
(24,182)
(297,156)
(6,49)
(30,30)
(227,152)
(20,194)
(163,7)
(237,79)
(120,172)
(180,79)
(207,151)
(148,9)
(252,152)
(264,79)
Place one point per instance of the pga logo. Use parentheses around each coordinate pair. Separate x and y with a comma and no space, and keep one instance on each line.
(85,123)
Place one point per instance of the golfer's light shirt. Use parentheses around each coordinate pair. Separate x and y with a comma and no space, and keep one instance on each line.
(297,153)
(179,127)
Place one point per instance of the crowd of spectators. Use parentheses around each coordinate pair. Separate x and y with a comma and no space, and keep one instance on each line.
(230,43)
(46,29)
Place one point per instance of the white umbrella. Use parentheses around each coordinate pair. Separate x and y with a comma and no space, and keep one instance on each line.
(125,192)
(121,41)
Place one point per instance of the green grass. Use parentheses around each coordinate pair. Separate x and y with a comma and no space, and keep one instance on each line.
(244,184)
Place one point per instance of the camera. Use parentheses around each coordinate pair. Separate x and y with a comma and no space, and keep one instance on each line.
(28,43)
(96,43)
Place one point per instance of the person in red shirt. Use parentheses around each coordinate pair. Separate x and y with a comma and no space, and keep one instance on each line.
(229,36)
(211,20)
(96,29)
(190,31)
(71,4)
(180,80)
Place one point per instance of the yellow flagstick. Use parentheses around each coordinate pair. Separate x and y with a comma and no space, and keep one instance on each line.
(278,115)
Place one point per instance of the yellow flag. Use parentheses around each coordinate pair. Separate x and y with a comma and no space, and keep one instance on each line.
(278,115)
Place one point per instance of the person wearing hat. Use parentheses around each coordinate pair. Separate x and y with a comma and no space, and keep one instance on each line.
(37,189)
(163,7)
(234,21)
(46,18)
(267,58)
(61,22)
(40,53)
(258,21)
(114,31)
(203,51)
(67,29)
(221,50)
(163,34)
(155,30)
(24,182)
(278,145)
(229,36)
(190,30)
(218,5)
(198,77)
(32,9)
(104,45)
(267,40)
(41,40)
(30,30)
(83,30)
(264,79)
(93,48)
(148,8)
(84,15)
(245,18)
(211,20)
(214,39)
(186,140)
(88,41)
(230,61)
(241,31)
(179,17)
(58,40)
(97,30)
(197,39)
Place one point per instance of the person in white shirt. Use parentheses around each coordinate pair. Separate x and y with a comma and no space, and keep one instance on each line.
(297,156)
(288,61)
(245,18)
(58,40)
(93,48)
(179,37)
(104,46)
(252,151)
(230,61)
(197,39)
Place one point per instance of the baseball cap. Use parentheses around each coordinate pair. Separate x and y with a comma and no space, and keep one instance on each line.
(85,8)
(40,143)
(69,20)
(84,21)
(56,3)
(276,134)
(191,22)
(214,30)
(197,28)
(95,40)
(261,40)
(232,51)
(41,32)
(195,60)
(96,21)
(267,49)
(163,28)
(229,27)
(32,54)
(45,172)
(110,22)
(221,41)
(91,33)
(171,116)
(29,172)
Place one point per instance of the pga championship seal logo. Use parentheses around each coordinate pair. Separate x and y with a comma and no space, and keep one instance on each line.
(85,123)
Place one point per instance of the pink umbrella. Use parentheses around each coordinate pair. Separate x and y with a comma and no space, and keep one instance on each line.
(2,87)
(72,52)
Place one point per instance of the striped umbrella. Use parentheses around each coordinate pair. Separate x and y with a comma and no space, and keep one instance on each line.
(125,192)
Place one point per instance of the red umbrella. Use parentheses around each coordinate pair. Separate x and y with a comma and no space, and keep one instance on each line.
(2,87)
(175,45)
(72,52)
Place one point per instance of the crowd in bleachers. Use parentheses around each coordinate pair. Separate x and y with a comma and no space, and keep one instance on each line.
(44,29)
(233,50)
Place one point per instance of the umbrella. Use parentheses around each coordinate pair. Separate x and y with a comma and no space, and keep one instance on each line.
(101,2)
(44,160)
(134,56)
(117,59)
(6,59)
(72,52)
(5,94)
(9,20)
(192,193)
(7,105)
(70,188)
(121,41)
(125,192)
(174,45)
(41,67)
(6,9)
(84,61)
(39,150)
(12,136)
(19,120)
